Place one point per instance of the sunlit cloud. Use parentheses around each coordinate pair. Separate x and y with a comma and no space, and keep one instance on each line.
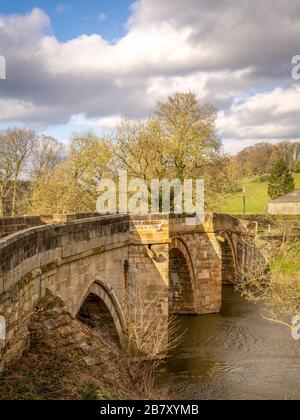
(202,46)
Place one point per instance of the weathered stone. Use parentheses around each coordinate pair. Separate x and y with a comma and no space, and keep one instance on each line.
(179,266)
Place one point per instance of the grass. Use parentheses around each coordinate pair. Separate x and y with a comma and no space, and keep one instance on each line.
(257,198)
(288,262)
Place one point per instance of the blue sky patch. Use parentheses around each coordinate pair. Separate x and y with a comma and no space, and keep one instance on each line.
(76,17)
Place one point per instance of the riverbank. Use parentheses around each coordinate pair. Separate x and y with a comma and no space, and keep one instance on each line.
(68,360)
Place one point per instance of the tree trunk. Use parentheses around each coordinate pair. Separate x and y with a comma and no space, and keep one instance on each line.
(1,207)
(14,198)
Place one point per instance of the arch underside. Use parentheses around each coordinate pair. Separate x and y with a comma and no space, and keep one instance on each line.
(101,309)
(229,264)
(181,280)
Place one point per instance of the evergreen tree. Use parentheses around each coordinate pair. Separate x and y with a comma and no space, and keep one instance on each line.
(281,180)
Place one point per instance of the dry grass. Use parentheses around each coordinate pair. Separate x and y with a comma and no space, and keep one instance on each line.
(274,281)
(70,361)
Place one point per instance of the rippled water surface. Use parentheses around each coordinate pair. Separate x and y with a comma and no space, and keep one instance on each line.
(234,355)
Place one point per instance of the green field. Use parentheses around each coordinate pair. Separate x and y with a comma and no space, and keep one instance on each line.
(256,198)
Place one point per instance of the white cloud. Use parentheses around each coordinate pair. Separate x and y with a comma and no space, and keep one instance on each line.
(269,115)
(103,124)
(222,50)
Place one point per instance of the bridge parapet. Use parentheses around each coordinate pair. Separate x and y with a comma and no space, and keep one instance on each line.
(213,223)
(225,222)
(11,225)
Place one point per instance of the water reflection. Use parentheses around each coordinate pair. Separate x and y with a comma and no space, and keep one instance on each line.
(234,355)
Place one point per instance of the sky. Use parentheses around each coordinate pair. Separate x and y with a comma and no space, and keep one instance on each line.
(79,65)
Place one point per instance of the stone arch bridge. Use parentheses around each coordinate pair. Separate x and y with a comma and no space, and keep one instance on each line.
(102,259)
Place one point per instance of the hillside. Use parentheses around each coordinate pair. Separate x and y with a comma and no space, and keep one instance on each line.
(257,198)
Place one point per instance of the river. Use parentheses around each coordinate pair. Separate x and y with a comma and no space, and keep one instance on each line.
(234,355)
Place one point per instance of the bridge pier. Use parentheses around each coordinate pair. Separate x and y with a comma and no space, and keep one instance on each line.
(148,281)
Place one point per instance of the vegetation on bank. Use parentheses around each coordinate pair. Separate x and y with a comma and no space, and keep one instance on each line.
(69,360)
(257,197)
(287,262)
(274,280)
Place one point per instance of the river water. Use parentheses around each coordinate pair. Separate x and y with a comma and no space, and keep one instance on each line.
(234,355)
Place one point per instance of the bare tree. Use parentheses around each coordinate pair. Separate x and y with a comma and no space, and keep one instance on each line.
(188,134)
(274,280)
(6,173)
(289,151)
(46,156)
(72,186)
(152,334)
(139,150)
(16,147)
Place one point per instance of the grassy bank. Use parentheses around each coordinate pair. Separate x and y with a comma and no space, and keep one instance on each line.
(257,198)
(287,262)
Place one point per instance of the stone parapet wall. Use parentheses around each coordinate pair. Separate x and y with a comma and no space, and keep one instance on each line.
(11,225)
(212,223)
(273,224)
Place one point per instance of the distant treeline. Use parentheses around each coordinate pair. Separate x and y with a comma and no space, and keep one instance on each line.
(40,175)
(259,159)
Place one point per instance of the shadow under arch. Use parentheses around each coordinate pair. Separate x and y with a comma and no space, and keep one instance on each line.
(181,279)
(100,302)
(229,260)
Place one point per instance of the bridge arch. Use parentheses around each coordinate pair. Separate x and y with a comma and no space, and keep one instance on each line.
(102,301)
(181,279)
(229,259)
